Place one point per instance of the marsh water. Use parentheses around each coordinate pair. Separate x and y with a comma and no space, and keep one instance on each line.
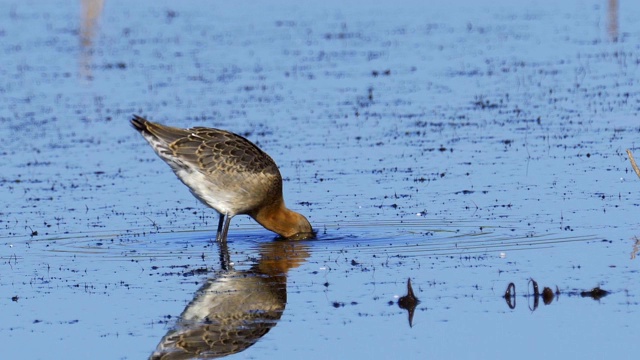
(462,145)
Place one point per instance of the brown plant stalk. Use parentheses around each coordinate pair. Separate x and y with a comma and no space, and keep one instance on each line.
(633,163)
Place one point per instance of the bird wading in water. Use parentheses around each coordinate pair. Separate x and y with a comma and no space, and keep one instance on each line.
(228,173)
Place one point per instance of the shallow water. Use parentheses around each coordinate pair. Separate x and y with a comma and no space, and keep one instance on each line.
(462,146)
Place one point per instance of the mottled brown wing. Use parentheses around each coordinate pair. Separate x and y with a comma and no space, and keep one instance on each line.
(213,150)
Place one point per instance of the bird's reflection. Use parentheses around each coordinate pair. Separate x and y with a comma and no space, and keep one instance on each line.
(234,309)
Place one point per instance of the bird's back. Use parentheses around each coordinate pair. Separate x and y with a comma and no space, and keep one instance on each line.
(222,169)
(206,149)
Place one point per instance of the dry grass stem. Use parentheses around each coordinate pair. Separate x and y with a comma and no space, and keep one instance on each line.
(633,163)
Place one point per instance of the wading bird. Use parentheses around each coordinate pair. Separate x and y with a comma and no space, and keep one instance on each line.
(228,173)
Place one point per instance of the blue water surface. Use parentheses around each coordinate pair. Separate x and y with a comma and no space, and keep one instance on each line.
(465,145)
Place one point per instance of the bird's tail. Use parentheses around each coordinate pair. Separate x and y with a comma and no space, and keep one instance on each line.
(157,132)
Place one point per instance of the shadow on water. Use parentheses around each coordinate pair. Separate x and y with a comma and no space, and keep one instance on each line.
(234,309)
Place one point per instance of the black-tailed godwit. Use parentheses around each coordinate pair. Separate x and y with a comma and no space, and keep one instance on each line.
(228,173)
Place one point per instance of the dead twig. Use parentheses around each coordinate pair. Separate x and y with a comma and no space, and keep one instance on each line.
(633,163)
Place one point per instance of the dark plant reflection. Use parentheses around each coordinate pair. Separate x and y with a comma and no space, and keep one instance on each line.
(409,302)
(234,309)
(510,296)
(547,295)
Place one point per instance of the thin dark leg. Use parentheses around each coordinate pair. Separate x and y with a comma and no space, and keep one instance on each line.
(220,224)
(221,239)
(225,227)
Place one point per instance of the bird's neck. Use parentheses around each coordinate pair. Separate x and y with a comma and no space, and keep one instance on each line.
(277,218)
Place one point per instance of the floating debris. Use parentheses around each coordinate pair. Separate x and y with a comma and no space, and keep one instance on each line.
(596,293)
(547,295)
(536,294)
(510,295)
(409,302)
